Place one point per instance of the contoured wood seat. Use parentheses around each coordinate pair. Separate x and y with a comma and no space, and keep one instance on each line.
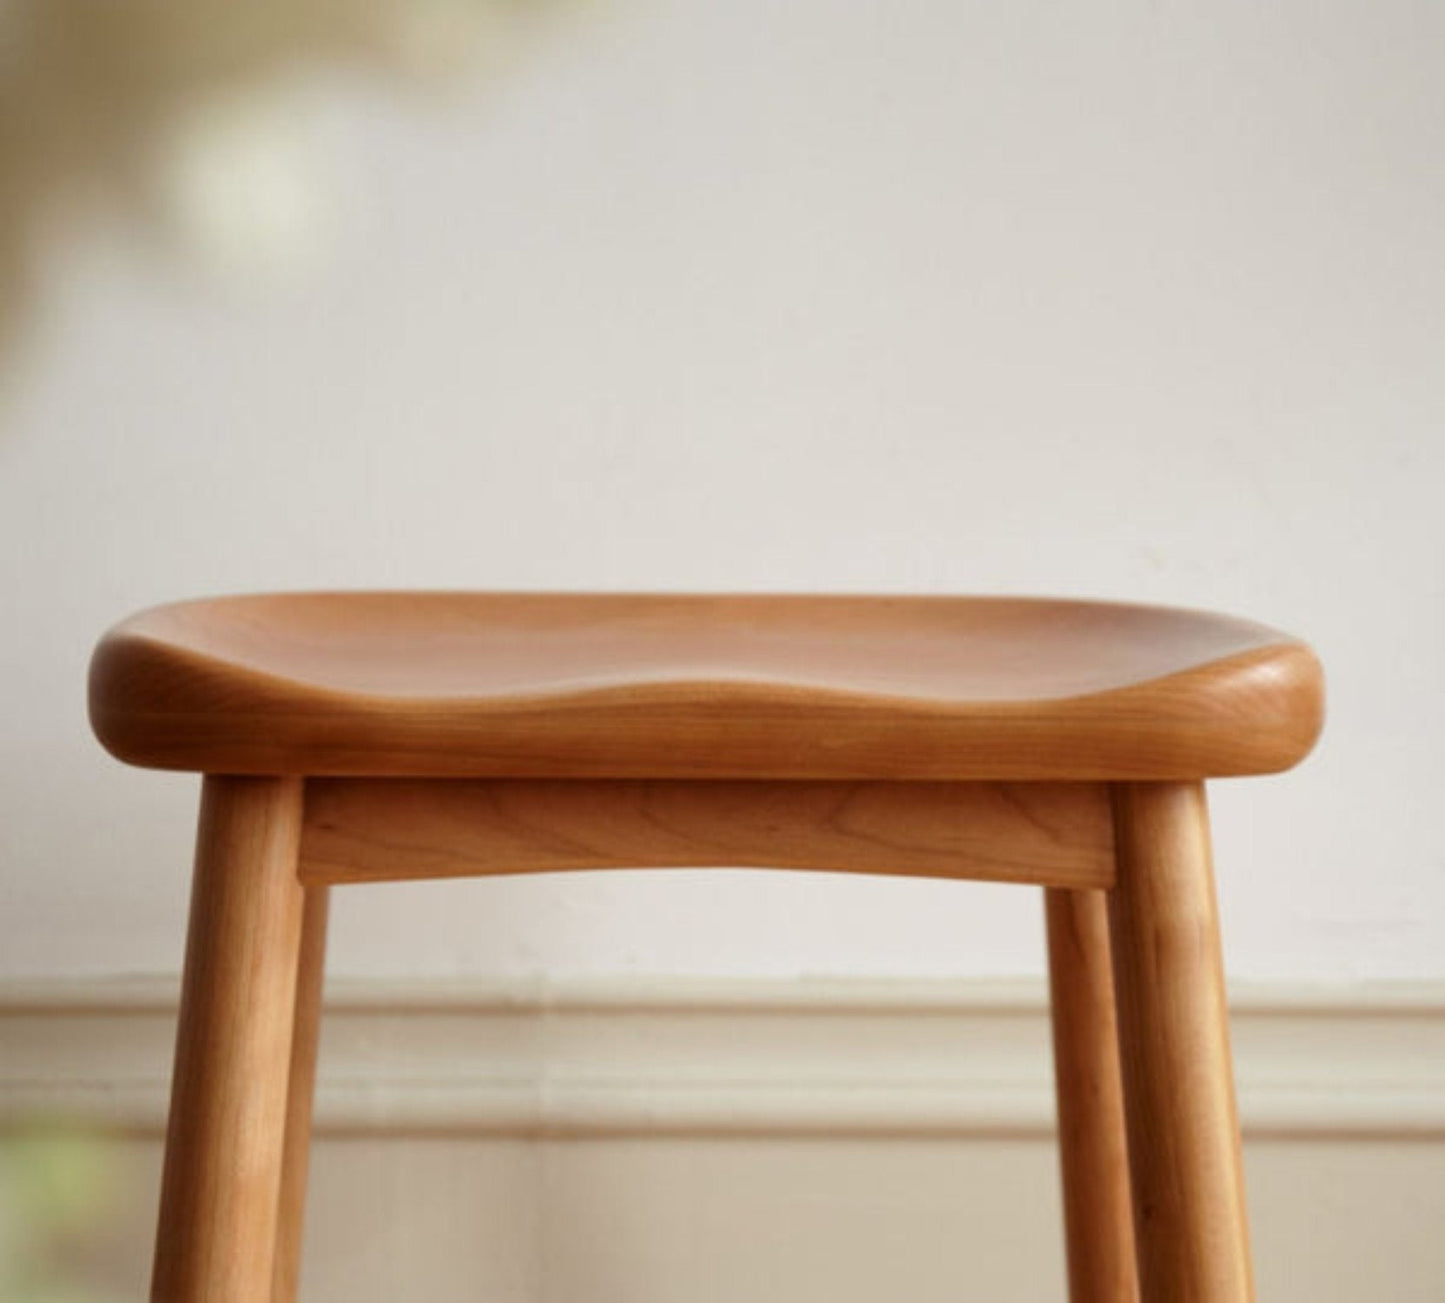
(541,685)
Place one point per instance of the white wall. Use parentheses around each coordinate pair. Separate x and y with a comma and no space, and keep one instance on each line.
(1136,300)
(655,1140)
(452,1218)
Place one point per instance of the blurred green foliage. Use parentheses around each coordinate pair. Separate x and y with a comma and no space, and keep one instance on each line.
(60,1191)
(93,93)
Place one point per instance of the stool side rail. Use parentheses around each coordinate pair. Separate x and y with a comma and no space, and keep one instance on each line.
(396,829)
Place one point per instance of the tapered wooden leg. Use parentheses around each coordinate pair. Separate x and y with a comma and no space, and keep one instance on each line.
(1092,1150)
(1184,1149)
(305,1036)
(222,1176)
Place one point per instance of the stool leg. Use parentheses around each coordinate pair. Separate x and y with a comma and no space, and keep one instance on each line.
(300,1093)
(1184,1148)
(1093,1154)
(222,1175)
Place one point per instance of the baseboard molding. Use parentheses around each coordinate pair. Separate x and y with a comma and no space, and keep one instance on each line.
(725,1057)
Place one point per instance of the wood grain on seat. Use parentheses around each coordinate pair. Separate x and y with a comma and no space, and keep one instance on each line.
(624,686)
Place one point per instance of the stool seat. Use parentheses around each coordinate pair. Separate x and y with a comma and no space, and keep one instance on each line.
(640,686)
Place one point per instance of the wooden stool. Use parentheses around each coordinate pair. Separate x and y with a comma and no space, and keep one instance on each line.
(365,737)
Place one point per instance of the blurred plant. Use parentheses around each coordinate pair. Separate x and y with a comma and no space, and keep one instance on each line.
(58,1192)
(188,110)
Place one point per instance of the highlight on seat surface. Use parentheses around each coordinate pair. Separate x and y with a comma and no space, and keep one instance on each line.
(619,685)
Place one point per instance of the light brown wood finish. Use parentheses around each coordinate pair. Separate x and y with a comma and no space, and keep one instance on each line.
(222,1174)
(1184,1144)
(443,734)
(1093,1152)
(373,830)
(724,687)
(300,1093)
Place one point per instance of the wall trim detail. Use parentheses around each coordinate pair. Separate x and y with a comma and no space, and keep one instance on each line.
(725,1057)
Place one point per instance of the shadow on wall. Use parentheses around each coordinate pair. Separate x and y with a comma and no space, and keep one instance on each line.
(190,115)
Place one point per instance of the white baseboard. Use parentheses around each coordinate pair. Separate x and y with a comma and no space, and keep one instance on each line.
(654,1056)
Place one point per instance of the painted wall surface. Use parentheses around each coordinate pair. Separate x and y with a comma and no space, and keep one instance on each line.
(650,1221)
(1129,300)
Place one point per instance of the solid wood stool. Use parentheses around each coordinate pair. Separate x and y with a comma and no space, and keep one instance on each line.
(366,737)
